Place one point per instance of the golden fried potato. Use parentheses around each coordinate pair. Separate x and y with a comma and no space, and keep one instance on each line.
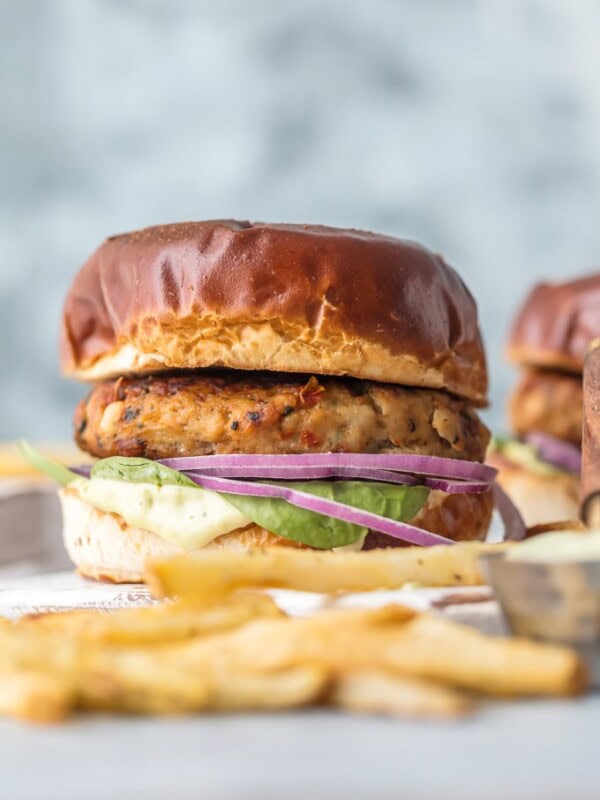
(289,688)
(35,695)
(139,680)
(220,571)
(378,692)
(442,650)
(419,645)
(162,623)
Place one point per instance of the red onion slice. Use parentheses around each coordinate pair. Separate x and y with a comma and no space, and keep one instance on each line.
(83,470)
(306,473)
(556,451)
(514,526)
(456,487)
(286,472)
(433,466)
(322,505)
(323,473)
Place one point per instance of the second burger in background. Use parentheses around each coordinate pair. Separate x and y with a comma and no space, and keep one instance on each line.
(539,467)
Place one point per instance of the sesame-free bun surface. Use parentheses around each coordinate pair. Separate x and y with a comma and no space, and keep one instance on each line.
(105,547)
(281,298)
(556,324)
(539,498)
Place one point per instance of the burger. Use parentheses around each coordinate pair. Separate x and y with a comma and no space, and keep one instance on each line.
(539,466)
(257,384)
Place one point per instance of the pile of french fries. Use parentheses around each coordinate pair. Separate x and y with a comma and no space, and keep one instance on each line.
(218,643)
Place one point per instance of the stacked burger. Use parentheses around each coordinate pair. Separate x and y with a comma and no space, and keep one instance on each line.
(258,384)
(540,466)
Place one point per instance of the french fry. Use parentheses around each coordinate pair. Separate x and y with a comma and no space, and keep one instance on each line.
(290,688)
(440,649)
(139,681)
(376,692)
(107,677)
(420,645)
(35,696)
(220,571)
(24,648)
(152,681)
(271,645)
(162,623)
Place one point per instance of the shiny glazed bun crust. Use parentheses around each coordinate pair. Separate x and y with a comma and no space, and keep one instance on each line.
(556,324)
(278,298)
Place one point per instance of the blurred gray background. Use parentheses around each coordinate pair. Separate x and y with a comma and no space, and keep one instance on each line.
(473,127)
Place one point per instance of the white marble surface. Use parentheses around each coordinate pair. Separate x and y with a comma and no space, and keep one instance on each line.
(513,751)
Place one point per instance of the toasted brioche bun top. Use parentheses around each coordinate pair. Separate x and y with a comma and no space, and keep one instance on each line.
(556,324)
(283,298)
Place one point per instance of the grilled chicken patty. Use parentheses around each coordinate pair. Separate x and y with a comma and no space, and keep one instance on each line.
(548,401)
(163,416)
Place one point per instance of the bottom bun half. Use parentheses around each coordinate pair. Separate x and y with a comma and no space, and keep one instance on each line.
(540,498)
(103,546)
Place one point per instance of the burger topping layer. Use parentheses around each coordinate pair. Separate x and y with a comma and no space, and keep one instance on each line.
(188,507)
(167,502)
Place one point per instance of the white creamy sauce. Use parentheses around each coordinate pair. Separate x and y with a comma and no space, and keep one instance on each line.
(558,546)
(183,515)
(353,547)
